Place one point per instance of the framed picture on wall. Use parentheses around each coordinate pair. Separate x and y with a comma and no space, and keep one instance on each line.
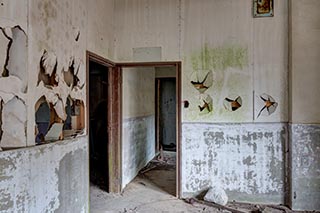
(263,8)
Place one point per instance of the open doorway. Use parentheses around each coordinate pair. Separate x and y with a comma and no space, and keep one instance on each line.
(104,122)
(98,124)
(151,123)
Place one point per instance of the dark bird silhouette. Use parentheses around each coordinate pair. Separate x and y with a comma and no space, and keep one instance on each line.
(269,105)
(235,104)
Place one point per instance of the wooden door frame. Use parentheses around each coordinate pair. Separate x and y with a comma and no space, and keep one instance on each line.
(115,115)
(177,65)
(114,118)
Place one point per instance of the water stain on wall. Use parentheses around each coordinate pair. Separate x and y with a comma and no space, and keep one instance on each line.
(220,58)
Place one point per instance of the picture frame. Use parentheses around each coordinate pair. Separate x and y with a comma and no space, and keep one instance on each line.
(263,8)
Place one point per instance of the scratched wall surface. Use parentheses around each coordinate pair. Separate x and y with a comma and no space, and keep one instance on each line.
(304,103)
(45,178)
(305,164)
(138,142)
(138,127)
(246,160)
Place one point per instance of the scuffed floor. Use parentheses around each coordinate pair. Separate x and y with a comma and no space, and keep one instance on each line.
(152,190)
(141,196)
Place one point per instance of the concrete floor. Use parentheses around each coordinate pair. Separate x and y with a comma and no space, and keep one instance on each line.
(153,190)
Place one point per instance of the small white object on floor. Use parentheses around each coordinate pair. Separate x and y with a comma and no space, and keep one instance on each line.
(217,195)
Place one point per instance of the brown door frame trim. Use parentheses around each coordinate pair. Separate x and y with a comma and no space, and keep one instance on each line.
(176,64)
(114,118)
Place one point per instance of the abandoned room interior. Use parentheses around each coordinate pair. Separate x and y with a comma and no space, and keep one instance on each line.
(154,105)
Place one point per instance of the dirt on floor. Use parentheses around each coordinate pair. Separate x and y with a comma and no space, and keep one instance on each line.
(154,189)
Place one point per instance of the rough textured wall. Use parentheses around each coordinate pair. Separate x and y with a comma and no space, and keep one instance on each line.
(246,160)
(138,145)
(43,58)
(305,174)
(48,178)
(305,113)
(138,128)
(232,67)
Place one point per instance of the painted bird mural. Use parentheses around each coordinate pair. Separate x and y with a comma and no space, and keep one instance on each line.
(232,105)
(203,85)
(270,105)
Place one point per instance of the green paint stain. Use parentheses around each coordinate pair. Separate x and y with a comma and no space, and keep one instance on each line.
(220,58)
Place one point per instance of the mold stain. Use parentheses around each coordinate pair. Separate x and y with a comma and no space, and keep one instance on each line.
(220,58)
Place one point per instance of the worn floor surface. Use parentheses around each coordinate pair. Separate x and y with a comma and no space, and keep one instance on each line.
(153,191)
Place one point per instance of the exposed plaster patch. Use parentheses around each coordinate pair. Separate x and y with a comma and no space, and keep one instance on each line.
(70,77)
(17,55)
(48,69)
(14,123)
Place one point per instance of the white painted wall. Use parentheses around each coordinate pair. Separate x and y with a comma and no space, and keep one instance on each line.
(52,26)
(252,52)
(138,127)
(305,63)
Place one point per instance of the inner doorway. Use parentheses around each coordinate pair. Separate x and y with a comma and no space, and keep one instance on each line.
(98,125)
(141,96)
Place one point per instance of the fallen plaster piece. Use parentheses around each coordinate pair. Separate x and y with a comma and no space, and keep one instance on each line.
(217,195)
(14,122)
(55,132)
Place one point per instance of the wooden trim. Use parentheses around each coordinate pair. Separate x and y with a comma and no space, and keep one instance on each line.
(114,129)
(178,111)
(149,64)
(100,60)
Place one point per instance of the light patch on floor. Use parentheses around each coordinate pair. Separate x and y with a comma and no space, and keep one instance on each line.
(142,196)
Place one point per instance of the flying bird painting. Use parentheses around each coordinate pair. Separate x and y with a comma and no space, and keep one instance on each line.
(201,83)
(270,105)
(205,105)
(232,105)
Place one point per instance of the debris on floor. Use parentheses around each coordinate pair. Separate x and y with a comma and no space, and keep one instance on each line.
(217,195)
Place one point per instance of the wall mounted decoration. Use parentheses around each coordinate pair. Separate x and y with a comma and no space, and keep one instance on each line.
(232,104)
(270,105)
(263,8)
(202,80)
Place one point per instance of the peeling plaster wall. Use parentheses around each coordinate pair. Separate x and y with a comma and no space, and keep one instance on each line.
(138,128)
(246,160)
(247,56)
(304,102)
(48,178)
(51,177)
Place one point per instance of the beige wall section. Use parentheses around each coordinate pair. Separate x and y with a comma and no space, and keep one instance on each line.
(305,62)
(270,50)
(138,97)
(14,12)
(147,23)
(245,54)
(100,28)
